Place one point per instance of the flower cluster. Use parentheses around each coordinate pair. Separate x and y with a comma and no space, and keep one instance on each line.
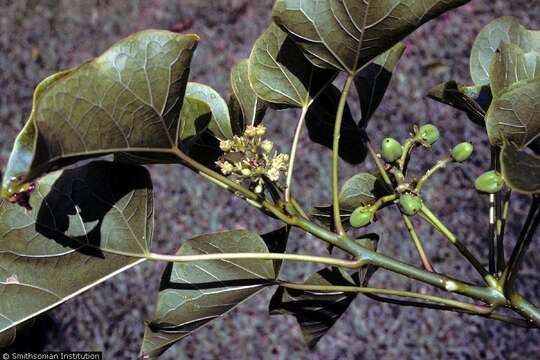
(249,157)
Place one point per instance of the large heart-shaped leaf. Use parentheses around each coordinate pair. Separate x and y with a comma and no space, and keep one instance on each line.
(506,29)
(373,80)
(473,100)
(220,124)
(193,294)
(520,170)
(320,120)
(82,221)
(280,74)
(252,108)
(510,65)
(347,34)
(127,99)
(515,115)
(315,311)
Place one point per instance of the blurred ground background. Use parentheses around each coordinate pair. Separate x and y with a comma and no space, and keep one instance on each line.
(38,38)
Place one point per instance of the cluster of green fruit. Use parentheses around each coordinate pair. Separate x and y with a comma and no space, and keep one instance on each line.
(407,194)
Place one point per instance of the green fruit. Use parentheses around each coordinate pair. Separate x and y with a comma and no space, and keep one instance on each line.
(462,152)
(428,134)
(391,149)
(410,204)
(361,216)
(489,182)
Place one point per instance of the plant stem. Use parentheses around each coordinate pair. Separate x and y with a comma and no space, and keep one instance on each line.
(298,208)
(335,155)
(488,295)
(525,308)
(379,165)
(296,138)
(492,235)
(525,237)
(441,164)
(407,148)
(493,316)
(383,200)
(500,228)
(260,256)
(401,293)
(455,241)
(493,215)
(417,243)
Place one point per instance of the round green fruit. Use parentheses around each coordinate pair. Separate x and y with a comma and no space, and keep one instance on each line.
(360,217)
(462,152)
(428,134)
(391,150)
(410,204)
(489,182)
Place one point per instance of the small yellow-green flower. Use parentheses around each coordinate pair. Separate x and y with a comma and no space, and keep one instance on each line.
(273,174)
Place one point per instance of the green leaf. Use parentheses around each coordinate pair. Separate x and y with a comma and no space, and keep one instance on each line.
(372,81)
(280,74)
(510,65)
(276,242)
(506,29)
(473,100)
(252,108)
(127,99)
(194,119)
(520,170)
(515,115)
(320,120)
(81,221)
(315,311)
(195,293)
(348,34)
(220,125)
(360,190)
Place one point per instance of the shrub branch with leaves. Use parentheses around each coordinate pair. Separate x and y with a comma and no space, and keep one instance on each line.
(64,228)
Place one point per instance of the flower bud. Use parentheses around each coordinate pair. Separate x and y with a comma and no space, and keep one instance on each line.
(246,172)
(258,189)
(391,150)
(489,182)
(267,145)
(410,204)
(260,130)
(462,152)
(361,216)
(428,134)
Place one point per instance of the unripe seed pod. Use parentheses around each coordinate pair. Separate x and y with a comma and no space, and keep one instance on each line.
(361,216)
(428,134)
(489,182)
(410,204)
(391,149)
(462,152)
